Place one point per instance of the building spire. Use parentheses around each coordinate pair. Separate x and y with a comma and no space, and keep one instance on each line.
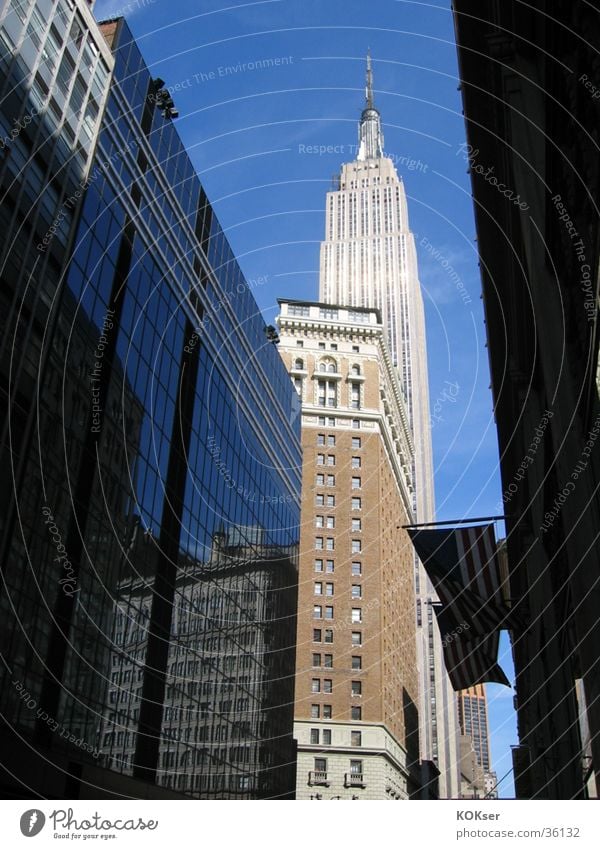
(370,135)
(369,90)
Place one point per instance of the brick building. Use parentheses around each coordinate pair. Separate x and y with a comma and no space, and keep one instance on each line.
(356,716)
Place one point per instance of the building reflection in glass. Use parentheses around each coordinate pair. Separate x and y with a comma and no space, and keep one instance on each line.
(147,606)
(225,729)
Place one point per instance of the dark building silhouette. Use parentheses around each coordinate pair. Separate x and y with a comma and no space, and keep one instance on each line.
(150,521)
(530,78)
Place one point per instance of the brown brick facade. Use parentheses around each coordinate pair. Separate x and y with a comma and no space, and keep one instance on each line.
(356,608)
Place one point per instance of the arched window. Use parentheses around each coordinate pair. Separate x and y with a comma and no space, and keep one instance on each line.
(299,364)
(355,369)
(328,365)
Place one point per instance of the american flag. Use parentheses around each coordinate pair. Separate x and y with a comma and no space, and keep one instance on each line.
(469,660)
(464,568)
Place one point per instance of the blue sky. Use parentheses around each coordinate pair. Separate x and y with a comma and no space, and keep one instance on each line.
(248,129)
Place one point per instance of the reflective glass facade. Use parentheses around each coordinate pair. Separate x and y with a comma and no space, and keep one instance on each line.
(150,572)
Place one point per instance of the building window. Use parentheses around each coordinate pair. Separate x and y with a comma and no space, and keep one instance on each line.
(322,345)
(327,736)
(356,661)
(330,480)
(329,566)
(356,424)
(317,612)
(316,659)
(330,521)
(356,591)
(356,462)
(356,714)
(356,503)
(330,439)
(298,385)
(319,542)
(328,635)
(333,346)
(314,736)
(355,349)
(320,764)
(356,546)
(355,369)
(355,396)
(331,459)
(327,313)
(331,500)
(315,711)
(318,565)
(356,614)
(327,712)
(327,393)
(330,544)
(319,521)
(318,588)
(330,421)
(299,364)
(317,634)
(298,309)
(320,480)
(356,767)
(356,638)
(328,661)
(356,525)
(319,499)
(329,612)
(320,439)
(316,685)
(355,483)
(356,738)
(356,443)
(327,685)
(329,589)
(320,459)
(299,343)
(356,568)
(356,688)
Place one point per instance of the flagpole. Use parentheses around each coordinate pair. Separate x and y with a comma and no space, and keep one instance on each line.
(453,522)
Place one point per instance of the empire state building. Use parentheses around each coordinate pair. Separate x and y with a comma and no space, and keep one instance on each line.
(368,259)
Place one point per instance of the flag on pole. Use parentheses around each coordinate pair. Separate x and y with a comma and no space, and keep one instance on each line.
(469,660)
(463,566)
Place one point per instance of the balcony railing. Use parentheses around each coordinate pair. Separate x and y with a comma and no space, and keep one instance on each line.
(354,779)
(318,778)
